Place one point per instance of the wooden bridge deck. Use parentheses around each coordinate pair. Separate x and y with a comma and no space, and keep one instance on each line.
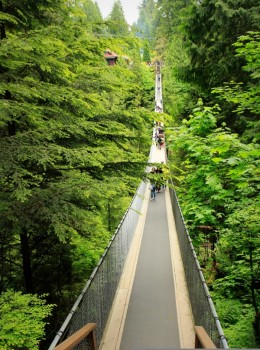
(151,309)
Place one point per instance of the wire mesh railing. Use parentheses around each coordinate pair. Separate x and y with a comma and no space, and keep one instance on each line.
(95,300)
(203,309)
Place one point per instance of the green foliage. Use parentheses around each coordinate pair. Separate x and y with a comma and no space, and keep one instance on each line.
(203,121)
(146,54)
(216,166)
(91,11)
(248,47)
(22,320)
(236,319)
(244,98)
(177,92)
(240,263)
(146,21)
(170,16)
(180,95)
(116,21)
(213,57)
(205,45)
(217,177)
(75,137)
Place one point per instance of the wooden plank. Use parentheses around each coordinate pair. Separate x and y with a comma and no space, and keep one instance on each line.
(76,338)
(202,339)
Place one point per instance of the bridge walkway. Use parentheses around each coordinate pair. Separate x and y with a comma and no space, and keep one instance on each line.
(151,309)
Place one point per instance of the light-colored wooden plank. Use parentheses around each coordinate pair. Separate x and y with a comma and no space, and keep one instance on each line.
(203,339)
(76,338)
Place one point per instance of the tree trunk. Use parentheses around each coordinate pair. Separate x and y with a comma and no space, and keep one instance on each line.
(256,323)
(109,217)
(26,257)
(2,25)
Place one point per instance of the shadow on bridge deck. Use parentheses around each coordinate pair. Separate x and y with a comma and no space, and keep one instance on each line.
(151,309)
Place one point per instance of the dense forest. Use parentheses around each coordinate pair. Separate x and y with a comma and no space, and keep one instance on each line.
(75,134)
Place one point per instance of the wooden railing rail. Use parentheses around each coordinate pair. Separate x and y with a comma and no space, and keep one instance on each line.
(202,339)
(76,338)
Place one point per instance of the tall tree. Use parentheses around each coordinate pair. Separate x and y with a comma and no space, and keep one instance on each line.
(116,21)
(243,99)
(216,178)
(71,137)
(146,53)
(92,16)
(170,16)
(180,95)
(211,30)
(146,20)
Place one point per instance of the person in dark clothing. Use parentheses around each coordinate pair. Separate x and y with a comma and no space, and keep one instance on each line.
(153,191)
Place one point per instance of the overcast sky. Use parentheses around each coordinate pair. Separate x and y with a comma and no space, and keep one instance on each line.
(130,8)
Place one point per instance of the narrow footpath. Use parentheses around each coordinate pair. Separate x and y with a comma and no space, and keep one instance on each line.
(151,320)
(151,309)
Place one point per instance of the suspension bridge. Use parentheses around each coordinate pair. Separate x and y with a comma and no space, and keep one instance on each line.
(147,291)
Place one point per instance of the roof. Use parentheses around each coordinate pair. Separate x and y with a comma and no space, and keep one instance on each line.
(110,54)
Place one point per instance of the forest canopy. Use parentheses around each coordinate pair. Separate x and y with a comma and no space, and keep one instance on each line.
(74,145)
(211,63)
(75,134)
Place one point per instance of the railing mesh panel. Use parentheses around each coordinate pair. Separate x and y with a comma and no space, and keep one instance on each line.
(204,312)
(97,296)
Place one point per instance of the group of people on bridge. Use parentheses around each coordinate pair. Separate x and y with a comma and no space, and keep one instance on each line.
(157,179)
(157,173)
(159,137)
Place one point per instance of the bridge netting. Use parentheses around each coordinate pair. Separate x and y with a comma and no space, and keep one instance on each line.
(95,301)
(203,309)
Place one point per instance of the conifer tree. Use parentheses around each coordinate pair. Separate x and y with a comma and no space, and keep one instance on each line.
(211,30)
(216,44)
(92,16)
(171,16)
(70,140)
(146,55)
(117,22)
(180,95)
(146,20)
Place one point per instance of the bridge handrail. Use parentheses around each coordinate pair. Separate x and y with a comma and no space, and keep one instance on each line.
(76,338)
(204,312)
(104,278)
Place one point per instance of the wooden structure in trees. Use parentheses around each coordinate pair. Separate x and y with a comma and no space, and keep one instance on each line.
(111,57)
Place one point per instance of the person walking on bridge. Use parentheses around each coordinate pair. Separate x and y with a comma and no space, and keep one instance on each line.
(153,191)
(152,186)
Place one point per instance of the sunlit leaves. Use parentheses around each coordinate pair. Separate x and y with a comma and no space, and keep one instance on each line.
(236,319)
(218,188)
(22,320)
(74,135)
